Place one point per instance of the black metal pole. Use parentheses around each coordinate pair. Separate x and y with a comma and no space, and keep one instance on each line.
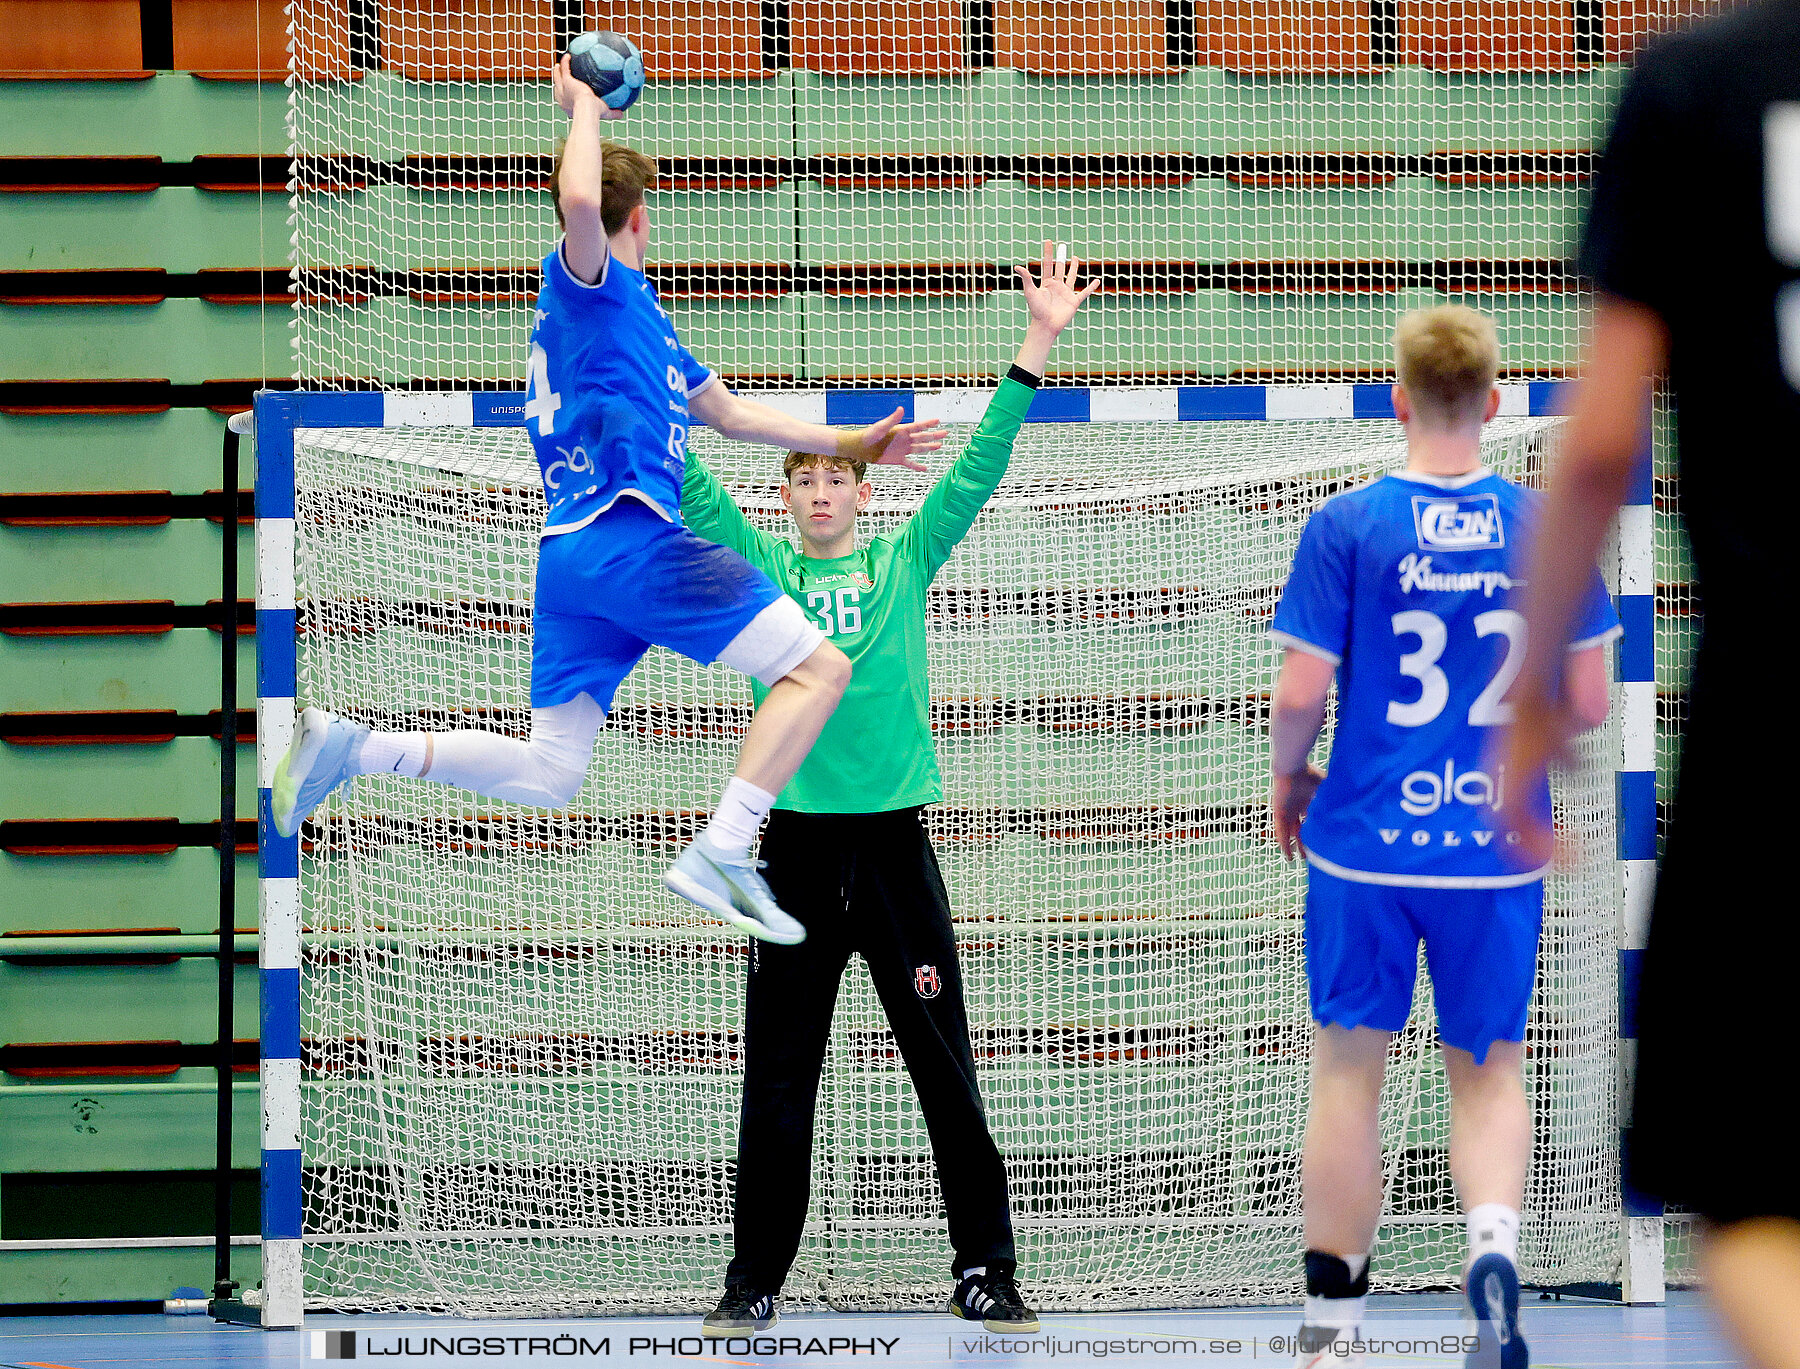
(223,1285)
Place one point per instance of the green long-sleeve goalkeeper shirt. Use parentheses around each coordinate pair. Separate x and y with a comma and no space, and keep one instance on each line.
(875,753)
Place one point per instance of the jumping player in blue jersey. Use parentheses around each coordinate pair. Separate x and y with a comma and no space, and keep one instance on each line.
(1406,589)
(610,394)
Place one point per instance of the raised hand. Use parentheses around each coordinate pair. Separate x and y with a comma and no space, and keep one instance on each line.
(893,443)
(1052,297)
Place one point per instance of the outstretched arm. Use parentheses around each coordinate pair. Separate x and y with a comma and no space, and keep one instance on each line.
(950,509)
(889,442)
(892,442)
(709,510)
(578,187)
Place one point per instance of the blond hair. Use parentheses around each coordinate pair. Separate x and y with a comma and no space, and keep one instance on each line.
(796,460)
(1447,359)
(625,174)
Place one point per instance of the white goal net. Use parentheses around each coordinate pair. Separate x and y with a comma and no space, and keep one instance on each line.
(846,184)
(523,1057)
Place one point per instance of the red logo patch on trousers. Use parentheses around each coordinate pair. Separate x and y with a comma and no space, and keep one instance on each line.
(927,982)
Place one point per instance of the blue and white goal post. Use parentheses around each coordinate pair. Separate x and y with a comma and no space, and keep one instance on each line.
(277,416)
(1641,1275)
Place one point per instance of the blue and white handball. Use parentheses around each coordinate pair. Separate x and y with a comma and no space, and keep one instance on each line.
(610,64)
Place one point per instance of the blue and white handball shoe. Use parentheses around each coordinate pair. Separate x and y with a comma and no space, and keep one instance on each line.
(733,889)
(318,760)
(1493,1284)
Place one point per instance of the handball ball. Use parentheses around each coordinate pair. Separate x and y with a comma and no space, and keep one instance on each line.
(610,64)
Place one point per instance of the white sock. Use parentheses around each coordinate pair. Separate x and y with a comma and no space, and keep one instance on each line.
(393,753)
(1493,1228)
(740,812)
(545,771)
(972,1271)
(1340,1314)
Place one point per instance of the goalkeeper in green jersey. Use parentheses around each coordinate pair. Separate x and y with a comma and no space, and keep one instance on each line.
(847,852)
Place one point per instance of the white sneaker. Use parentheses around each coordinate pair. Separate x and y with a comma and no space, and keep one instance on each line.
(732,888)
(317,761)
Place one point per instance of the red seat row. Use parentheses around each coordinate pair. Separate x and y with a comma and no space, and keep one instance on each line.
(488,39)
(513,39)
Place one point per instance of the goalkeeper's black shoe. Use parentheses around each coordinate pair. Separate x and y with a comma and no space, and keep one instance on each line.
(741,1310)
(994,1301)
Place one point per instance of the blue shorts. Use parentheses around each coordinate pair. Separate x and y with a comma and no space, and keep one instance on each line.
(629,580)
(1362,955)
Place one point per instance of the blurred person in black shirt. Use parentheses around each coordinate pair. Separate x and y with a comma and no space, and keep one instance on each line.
(1692,244)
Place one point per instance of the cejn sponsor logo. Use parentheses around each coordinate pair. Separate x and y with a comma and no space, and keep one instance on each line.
(1468,522)
(1416,573)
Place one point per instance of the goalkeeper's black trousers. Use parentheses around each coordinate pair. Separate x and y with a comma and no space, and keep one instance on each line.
(863,883)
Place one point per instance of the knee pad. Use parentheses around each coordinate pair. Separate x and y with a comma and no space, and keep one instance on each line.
(562,744)
(773,643)
(561,783)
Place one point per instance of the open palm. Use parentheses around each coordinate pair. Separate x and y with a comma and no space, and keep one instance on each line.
(1052,297)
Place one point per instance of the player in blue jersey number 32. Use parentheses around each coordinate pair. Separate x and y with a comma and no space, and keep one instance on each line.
(610,393)
(1406,590)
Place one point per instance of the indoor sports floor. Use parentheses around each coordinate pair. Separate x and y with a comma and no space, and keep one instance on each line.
(1565,1334)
